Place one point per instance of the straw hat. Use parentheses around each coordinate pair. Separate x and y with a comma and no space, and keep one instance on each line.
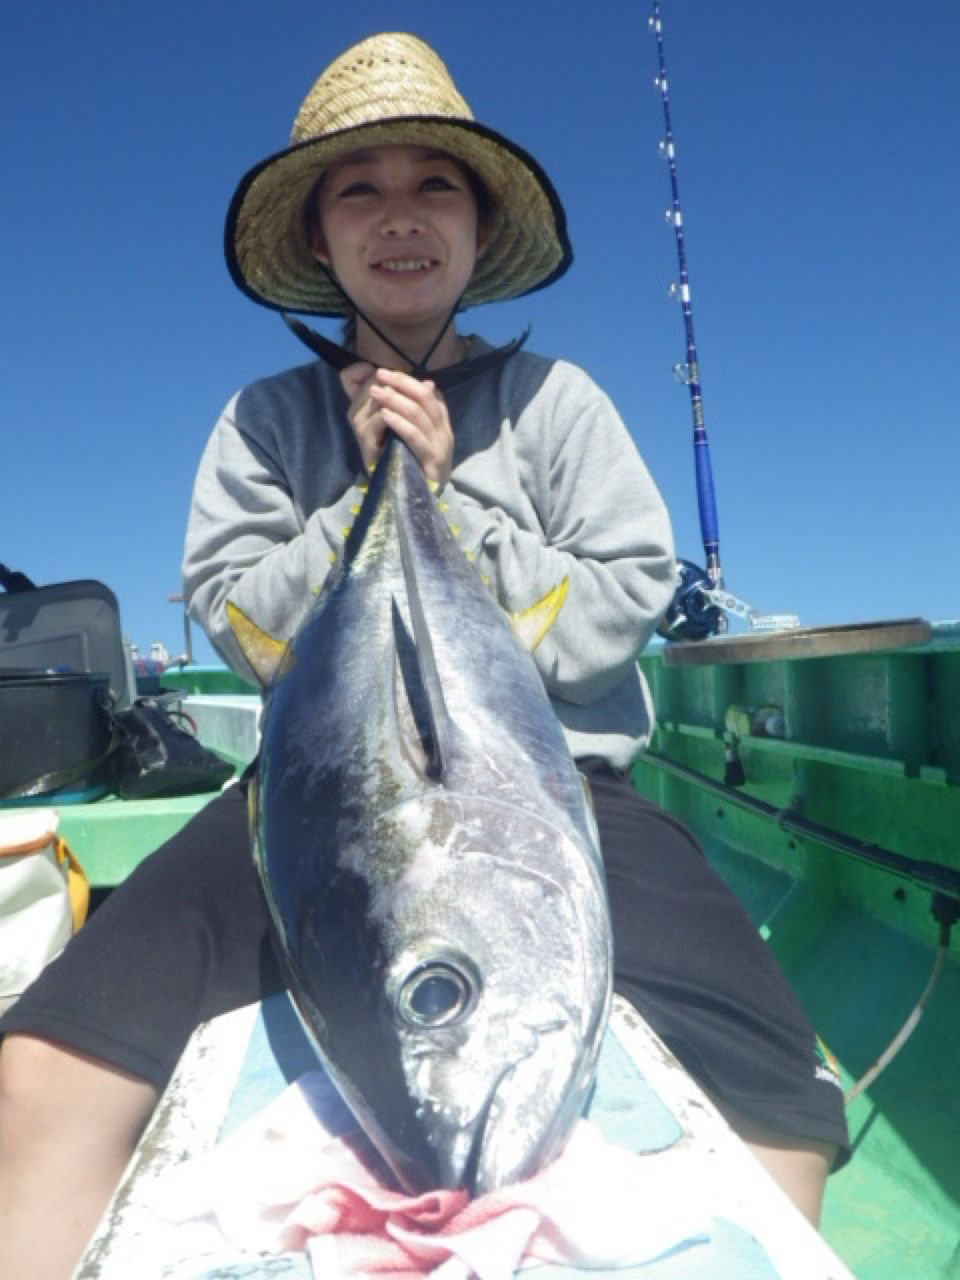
(389,89)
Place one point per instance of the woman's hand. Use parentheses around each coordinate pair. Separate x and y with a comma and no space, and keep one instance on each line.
(383,400)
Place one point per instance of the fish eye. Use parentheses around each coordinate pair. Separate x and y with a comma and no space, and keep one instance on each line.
(435,995)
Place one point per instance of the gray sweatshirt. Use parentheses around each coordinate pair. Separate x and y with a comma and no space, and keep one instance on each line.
(546,483)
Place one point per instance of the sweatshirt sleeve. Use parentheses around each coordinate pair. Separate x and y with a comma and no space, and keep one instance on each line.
(602,525)
(248,542)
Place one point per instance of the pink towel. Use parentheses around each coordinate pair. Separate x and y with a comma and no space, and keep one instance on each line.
(291,1179)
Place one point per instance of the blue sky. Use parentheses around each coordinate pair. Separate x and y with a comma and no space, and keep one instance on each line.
(818,148)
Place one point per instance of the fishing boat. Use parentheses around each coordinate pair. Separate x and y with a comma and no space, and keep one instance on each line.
(820,768)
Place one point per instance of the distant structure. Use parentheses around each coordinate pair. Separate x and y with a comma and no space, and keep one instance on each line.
(159,653)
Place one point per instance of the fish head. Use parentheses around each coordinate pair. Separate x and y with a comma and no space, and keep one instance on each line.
(492,993)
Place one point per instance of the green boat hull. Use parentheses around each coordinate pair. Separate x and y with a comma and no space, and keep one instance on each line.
(826,791)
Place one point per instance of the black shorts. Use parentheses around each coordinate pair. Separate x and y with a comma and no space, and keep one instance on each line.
(688,957)
(185,938)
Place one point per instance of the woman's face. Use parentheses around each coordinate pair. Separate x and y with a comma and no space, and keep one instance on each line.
(399,228)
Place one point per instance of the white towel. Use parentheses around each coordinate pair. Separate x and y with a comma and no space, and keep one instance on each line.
(292,1179)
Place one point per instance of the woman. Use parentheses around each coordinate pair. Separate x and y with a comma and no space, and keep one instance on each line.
(392,207)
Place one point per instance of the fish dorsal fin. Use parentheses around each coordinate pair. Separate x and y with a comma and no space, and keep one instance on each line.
(269,659)
(533,624)
(435,708)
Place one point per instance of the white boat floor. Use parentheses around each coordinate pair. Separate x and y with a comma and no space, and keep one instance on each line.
(644,1101)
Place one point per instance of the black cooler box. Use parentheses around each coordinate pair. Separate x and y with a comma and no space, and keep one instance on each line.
(63,667)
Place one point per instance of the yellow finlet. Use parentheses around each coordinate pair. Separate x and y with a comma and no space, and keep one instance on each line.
(533,624)
(269,659)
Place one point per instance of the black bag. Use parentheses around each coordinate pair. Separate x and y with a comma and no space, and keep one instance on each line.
(63,672)
(66,719)
(64,627)
(56,735)
(154,756)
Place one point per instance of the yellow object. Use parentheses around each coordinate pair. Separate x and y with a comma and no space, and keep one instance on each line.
(78,886)
(44,897)
(533,624)
(269,659)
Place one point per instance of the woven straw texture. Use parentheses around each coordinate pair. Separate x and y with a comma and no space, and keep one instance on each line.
(389,90)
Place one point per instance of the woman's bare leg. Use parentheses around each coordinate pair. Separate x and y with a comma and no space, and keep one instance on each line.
(799,1167)
(68,1126)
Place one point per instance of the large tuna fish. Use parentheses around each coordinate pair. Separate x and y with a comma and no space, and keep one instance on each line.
(428,856)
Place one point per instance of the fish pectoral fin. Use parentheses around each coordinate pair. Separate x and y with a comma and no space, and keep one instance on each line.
(533,624)
(270,659)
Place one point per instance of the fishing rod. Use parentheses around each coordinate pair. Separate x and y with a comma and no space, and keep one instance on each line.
(701,602)
(691,616)
(689,372)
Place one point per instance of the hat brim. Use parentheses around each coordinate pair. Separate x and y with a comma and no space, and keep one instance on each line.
(267,249)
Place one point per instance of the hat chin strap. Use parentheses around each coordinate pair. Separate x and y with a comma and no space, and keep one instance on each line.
(340,357)
(417,367)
